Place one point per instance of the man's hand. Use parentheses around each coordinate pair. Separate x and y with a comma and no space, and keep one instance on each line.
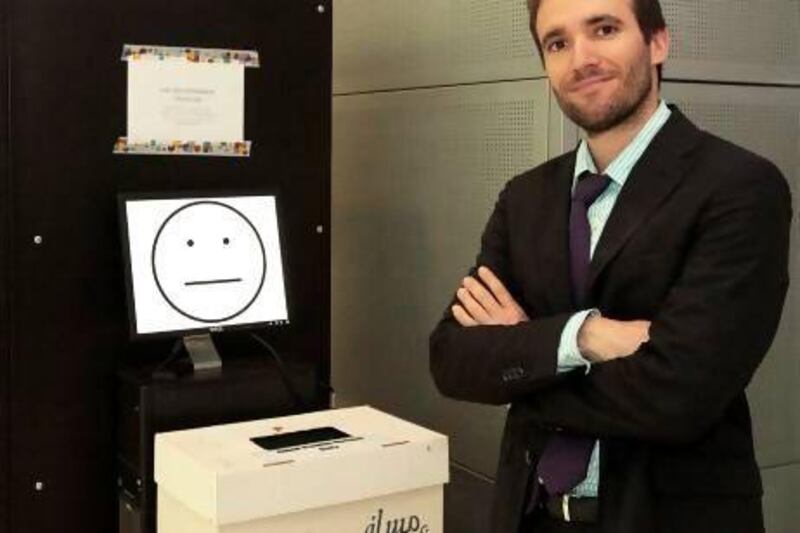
(486,304)
(602,339)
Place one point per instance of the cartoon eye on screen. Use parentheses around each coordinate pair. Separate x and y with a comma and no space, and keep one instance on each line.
(197,265)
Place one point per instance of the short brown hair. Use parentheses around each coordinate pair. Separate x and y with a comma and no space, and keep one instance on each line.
(648,15)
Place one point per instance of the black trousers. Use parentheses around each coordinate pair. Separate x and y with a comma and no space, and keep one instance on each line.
(540,522)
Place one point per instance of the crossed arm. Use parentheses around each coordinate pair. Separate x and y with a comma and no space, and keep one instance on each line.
(487,302)
(667,381)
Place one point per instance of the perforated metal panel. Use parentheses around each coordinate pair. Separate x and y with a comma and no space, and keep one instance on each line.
(765,121)
(734,40)
(415,176)
(389,44)
(386,44)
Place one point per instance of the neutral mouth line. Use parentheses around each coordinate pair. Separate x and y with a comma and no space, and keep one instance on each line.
(592,81)
(213,281)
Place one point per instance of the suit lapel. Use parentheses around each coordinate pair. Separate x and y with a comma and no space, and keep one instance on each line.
(554,232)
(652,180)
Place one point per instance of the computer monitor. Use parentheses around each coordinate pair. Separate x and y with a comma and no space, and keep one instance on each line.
(198,264)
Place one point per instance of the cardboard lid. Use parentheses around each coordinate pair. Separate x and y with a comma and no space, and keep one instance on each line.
(222,475)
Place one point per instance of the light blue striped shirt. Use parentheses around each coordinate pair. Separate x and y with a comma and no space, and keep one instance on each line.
(569,357)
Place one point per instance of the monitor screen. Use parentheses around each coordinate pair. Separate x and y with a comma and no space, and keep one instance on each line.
(202,263)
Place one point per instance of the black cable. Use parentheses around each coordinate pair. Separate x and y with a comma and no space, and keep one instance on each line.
(282,371)
(157,371)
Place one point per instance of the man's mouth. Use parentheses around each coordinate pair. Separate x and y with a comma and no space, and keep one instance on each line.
(212,281)
(591,82)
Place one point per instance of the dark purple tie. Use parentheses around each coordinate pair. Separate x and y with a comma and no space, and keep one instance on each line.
(566,457)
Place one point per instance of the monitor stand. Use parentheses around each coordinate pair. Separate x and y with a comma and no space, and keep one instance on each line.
(202,351)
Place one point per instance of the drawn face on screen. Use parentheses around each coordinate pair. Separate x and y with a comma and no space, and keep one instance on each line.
(209,261)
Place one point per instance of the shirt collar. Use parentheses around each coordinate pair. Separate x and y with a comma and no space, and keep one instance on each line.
(621,166)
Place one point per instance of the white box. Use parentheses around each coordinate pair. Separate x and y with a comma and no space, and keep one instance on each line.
(386,476)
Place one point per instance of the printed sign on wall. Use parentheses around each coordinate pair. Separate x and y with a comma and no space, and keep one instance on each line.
(185,101)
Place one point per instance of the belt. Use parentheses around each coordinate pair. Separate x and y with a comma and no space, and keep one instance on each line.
(571,509)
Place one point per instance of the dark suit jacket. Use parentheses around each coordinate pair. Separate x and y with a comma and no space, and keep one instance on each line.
(698,244)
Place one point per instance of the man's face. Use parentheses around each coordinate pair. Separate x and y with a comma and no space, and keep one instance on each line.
(600,68)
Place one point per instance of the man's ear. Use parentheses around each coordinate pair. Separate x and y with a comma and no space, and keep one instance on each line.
(659,46)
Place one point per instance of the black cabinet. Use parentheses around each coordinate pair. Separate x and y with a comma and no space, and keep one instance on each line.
(244,389)
(63,325)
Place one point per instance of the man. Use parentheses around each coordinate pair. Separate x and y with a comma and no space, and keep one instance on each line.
(623,297)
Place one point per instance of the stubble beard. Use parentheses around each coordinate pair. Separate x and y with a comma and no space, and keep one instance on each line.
(620,108)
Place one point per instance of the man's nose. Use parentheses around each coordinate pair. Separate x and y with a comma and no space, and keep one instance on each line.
(584,54)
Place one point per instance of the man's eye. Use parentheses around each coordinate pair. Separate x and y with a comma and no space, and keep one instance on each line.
(555,46)
(607,30)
